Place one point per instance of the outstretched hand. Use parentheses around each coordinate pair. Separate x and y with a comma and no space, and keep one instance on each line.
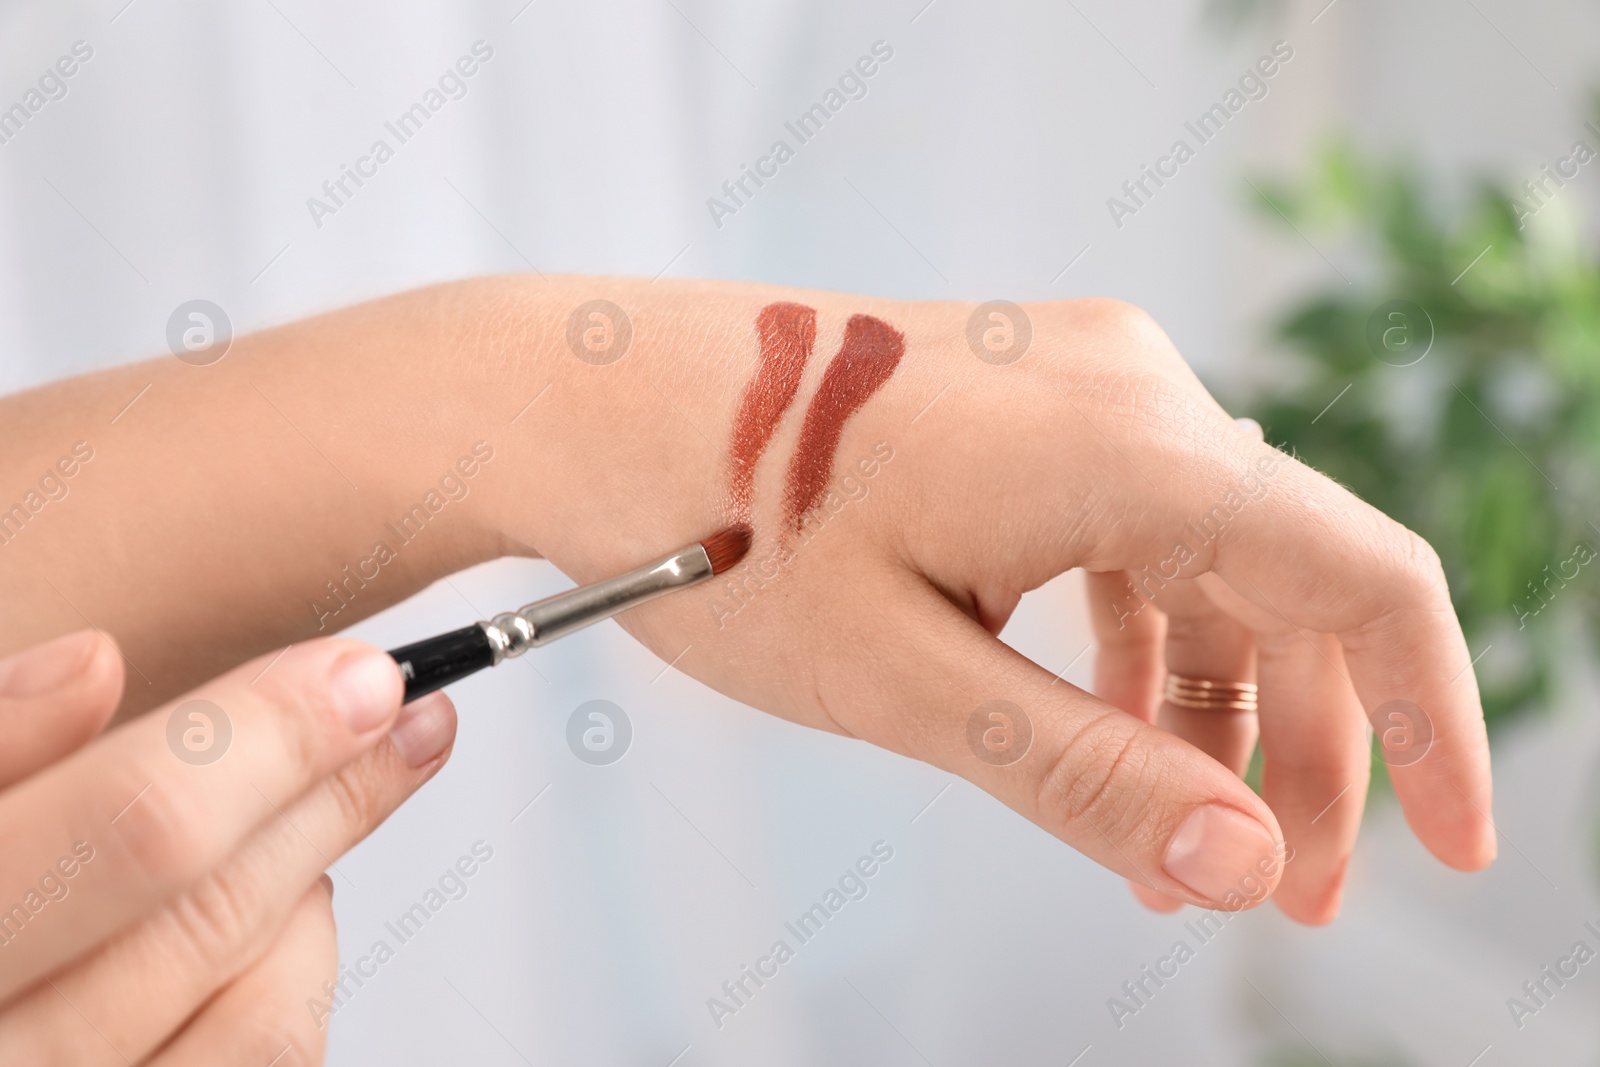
(959,484)
(909,469)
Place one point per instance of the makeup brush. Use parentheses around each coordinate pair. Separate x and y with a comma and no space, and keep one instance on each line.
(438,661)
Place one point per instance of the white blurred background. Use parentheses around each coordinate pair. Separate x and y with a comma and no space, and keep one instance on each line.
(978,166)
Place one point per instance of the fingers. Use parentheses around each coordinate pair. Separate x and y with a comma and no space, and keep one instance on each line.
(1319,560)
(1311,553)
(1130,796)
(262,1017)
(1128,635)
(1317,759)
(1205,643)
(145,817)
(205,936)
(1317,754)
(1128,669)
(54,697)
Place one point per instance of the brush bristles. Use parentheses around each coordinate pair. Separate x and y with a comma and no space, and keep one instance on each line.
(726,548)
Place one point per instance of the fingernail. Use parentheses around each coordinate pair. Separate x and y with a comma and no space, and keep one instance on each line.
(425,727)
(365,687)
(1218,852)
(43,668)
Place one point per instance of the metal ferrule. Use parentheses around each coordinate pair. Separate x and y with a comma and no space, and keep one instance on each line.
(514,632)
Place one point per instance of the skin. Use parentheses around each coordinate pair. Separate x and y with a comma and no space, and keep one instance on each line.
(219,504)
(199,922)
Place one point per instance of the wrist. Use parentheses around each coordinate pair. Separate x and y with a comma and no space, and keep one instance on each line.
(615,399)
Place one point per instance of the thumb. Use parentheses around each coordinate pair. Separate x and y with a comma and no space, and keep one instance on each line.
(1127,794)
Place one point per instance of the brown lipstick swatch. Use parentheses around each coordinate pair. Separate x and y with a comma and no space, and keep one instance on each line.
(871,351)
(787,332)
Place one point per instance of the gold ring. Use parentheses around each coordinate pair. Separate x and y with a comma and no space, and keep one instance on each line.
(1210,696)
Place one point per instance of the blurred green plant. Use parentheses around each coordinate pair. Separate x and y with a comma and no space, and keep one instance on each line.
(1229,17)
(1455,384)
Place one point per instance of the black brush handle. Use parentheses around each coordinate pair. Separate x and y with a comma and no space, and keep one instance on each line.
(438,661)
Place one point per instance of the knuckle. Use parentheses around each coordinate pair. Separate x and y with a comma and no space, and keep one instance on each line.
(358,795)
(1303,781)
(222,920)
(1128,329)
(1425,558)
(1113,315)
(165,836)
(1099,779)
(1421,569)
(1103,340)
(1192,630)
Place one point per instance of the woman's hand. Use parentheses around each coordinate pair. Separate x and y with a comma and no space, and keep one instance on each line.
(162,889)
(353,458)
(961,484)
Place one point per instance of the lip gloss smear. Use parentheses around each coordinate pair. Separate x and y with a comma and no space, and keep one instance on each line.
(787,333)
(871,351)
